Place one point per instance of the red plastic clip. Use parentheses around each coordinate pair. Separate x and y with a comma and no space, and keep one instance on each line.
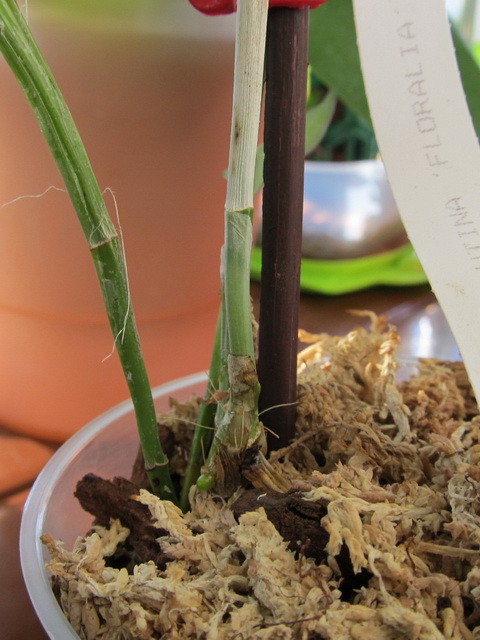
(220,7)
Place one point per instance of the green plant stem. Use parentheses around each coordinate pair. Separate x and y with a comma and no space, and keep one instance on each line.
(203,435)
(21,53)
(247,98)
(238,427)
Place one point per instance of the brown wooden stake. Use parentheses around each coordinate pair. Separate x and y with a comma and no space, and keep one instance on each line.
(284,140)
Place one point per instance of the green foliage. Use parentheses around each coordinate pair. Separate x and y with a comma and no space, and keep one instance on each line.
(470,74)
(335,60)
(334,54)
(476,52)
(318,119)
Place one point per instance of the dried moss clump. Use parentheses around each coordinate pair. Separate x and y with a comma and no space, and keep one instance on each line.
(393,470)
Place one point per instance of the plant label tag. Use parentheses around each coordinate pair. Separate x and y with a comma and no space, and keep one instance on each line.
(430,150)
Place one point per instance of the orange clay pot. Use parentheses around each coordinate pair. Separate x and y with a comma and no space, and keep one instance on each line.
(154,112)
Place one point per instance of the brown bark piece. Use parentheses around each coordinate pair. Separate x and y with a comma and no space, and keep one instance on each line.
(297,520)
(106,499)
(299,523)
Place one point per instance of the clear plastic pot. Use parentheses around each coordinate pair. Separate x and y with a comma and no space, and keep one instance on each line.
(107,446)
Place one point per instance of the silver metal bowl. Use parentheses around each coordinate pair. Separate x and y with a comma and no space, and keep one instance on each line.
(349,211)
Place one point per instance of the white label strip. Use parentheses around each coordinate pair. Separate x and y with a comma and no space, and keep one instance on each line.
(430,151)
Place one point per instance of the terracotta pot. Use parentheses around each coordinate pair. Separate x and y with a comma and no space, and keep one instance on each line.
(51,497)
(150,89)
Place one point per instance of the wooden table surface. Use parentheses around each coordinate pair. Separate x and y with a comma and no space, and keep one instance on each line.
(317,313)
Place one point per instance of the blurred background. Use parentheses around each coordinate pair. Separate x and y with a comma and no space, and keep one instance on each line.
(149,83)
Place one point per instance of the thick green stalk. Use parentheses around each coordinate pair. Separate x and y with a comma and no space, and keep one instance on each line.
(238,427)
(21,52)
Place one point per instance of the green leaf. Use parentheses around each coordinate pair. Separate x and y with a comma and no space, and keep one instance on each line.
(335,60)
(470,73)
(476,52)
(318,119)
(334,54)
(258,175)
